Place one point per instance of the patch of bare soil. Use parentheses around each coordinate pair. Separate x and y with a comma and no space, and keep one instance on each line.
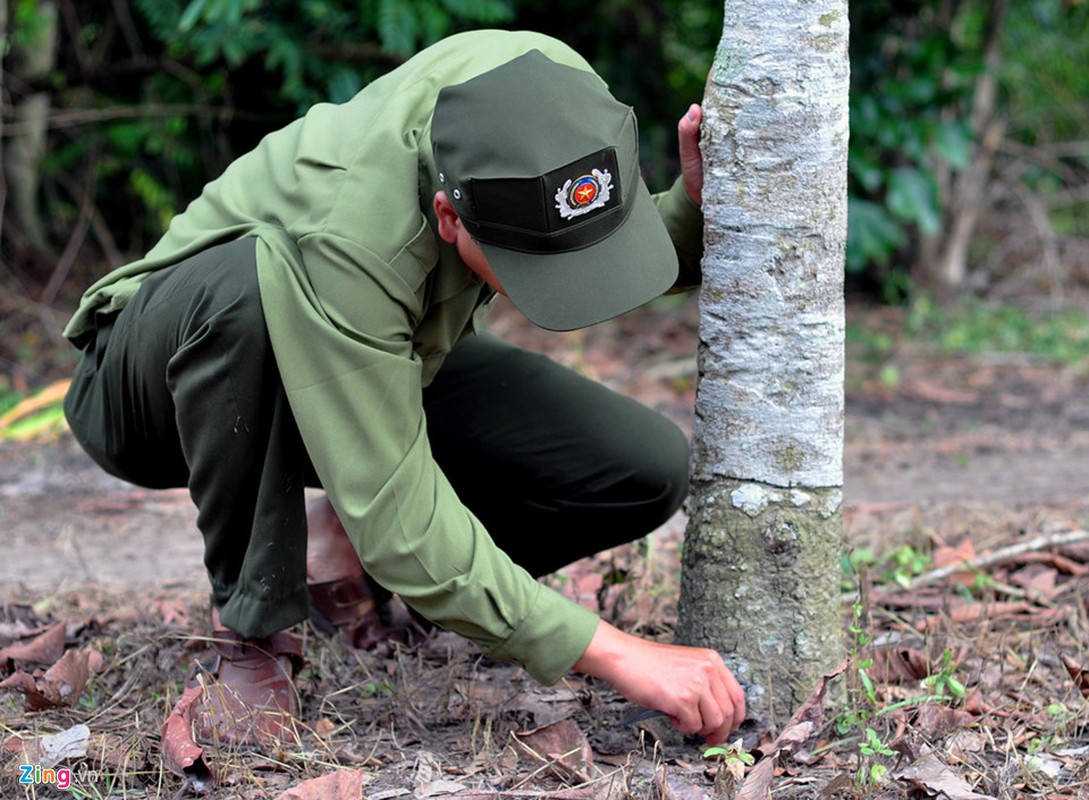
(975,688)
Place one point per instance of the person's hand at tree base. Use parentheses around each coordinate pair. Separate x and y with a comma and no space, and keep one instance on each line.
(689,684)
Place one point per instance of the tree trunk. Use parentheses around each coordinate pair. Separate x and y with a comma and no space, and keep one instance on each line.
(764,541)
(969,193)
(31,61)
(3,96)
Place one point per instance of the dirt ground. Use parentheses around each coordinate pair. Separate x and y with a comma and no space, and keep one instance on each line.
(978,452)
(956,432)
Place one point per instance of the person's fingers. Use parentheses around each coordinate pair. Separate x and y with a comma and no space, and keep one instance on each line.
(688,136)
(687,720)
(690,684)
(737,696)
(713,715)
(732,696)
(730,699)
(708,708)
(688,139)
(689,125)
(724,701)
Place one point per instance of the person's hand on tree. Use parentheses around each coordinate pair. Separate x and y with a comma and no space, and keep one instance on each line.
(688,136)
(689,684)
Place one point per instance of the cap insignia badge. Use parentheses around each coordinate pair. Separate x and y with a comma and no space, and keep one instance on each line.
(581,195)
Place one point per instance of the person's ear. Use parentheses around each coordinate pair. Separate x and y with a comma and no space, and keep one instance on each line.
(449,222)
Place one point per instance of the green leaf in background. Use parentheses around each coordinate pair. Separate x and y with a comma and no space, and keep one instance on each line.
(953,141)
(913,197)
(866,171)
(488,12)
(872,235)
(343,85)
(397,27)
(191,15)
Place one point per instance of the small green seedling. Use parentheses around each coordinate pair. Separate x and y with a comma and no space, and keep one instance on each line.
(735,758)
(870,771)
(942,682)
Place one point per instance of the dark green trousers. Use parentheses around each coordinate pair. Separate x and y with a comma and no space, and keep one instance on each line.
(556,466)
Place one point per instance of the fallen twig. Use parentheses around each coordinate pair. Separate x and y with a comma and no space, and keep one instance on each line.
(54,393)
(998,557)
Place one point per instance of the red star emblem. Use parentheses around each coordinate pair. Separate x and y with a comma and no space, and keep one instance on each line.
(585,194)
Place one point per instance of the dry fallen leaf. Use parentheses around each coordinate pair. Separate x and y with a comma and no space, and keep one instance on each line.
(1056,561)
(340,785)
(60,686)
(1078,674)
(497,794)
(324,727)
(992,612)
(439,788)
(1039,581)
(174,612)
(805,722)
(562,746)
(898,665)
(758,785)
(181,753)
(53,748)
(935,722)
(935,777)
(64,681)
(45,648)
(948,556)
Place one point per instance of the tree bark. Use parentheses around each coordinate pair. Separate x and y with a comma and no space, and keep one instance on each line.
(761,559)
(31,61)
(3,93)
(968,196)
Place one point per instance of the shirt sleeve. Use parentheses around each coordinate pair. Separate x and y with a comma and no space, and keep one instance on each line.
(343,342)
(684,221)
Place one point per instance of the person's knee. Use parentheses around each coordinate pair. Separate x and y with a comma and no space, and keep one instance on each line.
(239,322)
(649,463)
(665,468)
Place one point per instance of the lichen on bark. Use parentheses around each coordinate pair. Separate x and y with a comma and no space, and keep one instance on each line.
(760,562)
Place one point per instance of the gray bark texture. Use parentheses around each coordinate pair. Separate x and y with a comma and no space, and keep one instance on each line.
(30,61)
(968,196)
(762,551)
(3,50)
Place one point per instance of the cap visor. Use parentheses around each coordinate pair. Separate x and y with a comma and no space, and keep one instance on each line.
(565,291)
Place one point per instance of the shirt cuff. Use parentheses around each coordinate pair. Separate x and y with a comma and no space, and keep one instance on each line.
(551,638)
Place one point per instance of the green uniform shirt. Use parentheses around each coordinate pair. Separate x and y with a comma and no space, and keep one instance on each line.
(362,302)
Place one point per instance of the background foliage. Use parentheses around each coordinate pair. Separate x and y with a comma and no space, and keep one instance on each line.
(924,96)
(963,112)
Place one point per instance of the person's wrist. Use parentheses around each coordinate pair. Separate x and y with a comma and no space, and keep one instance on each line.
(603,654)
